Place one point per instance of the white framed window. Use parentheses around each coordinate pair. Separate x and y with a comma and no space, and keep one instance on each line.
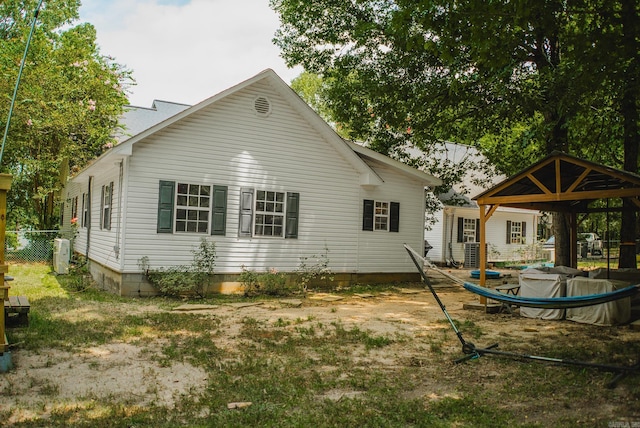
(85,210)
(269,213)
(193,202)
(516,232)
(469,230)
(74,209)
(105,206)
(381,216)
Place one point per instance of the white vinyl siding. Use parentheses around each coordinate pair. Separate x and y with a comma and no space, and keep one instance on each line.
(228,144)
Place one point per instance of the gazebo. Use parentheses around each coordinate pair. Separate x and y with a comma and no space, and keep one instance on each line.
(558,183)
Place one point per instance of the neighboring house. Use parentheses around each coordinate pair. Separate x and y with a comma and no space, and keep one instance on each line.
(511,232)
(138,119)
(255,170)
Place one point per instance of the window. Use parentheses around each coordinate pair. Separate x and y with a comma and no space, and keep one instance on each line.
(269,220)
(380,215)
(192,208)
(272,214)
(468,230)
(105,206)
(516,232)
(74,209)
(85,210)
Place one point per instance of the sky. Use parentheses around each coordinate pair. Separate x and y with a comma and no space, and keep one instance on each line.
(187,50)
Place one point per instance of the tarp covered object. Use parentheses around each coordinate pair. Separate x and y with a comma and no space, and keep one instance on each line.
(542,285)
(616,312)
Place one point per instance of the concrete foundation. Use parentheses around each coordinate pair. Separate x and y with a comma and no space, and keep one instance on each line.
(137,285)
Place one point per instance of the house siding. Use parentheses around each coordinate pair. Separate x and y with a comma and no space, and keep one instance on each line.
(228,144)
(435,234)
(496,233)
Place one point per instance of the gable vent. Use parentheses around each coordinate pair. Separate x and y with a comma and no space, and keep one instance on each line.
(262,106)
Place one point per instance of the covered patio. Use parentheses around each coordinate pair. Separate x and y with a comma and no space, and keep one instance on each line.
(559,183)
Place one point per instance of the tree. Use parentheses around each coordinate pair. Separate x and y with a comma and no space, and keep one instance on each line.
(509,75)
(68,103)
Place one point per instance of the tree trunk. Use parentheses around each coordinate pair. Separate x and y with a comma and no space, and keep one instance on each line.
(629,112)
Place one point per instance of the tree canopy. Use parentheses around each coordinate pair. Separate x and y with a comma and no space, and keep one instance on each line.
(517,79)
(68,103)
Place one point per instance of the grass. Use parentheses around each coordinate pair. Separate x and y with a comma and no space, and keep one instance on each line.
(296,372)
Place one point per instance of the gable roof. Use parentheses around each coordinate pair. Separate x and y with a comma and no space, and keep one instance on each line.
(136,119)
(562,183)
(356,156)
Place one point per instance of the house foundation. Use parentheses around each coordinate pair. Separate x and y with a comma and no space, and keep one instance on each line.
(137,284)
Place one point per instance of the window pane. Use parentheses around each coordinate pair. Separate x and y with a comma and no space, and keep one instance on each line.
(181,226)
(191,227)
(202,227)
(182,188)
(181,214)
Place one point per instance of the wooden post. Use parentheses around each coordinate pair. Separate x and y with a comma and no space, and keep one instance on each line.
(483,251)
(5,185)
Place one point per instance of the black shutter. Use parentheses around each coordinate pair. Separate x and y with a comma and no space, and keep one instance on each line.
(367,215)
(293,206)
(246,212)
(219,211)
(460,229)
(110,213)
(508,231)
(524,229)
(477,230)
(102,207)
(394,217)
(165,206)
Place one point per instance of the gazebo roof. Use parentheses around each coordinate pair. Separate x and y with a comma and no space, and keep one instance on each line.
(562,183)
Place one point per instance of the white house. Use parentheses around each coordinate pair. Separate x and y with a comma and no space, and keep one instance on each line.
(259,173)
(511,232)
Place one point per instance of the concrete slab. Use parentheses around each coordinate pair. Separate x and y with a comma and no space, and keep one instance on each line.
(490,308)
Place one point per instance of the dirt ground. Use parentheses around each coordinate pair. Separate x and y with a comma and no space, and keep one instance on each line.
(43,380)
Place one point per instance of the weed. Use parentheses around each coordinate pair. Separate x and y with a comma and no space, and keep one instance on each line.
(184,280)
(314,269)
(272,282)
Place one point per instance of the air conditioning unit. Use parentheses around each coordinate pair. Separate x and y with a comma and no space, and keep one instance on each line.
(61,256)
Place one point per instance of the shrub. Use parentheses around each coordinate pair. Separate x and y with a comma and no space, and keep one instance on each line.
(272,282)
(309,271)
(184,279)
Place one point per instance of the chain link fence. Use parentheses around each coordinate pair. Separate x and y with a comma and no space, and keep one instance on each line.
(27,246)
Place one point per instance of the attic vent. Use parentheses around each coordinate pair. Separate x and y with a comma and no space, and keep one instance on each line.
(262,106)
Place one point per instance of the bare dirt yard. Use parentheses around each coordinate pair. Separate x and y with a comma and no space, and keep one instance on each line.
(133,369)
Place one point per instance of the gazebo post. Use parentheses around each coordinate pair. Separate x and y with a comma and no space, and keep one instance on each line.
(483,250)
(5,185)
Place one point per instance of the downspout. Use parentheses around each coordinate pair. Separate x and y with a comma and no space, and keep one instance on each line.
(88,216)
(116,247)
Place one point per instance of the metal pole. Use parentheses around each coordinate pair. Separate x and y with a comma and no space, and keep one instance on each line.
(15,90)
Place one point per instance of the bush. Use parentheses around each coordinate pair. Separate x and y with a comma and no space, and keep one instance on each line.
(308,271)
(184,280)
(271,283)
